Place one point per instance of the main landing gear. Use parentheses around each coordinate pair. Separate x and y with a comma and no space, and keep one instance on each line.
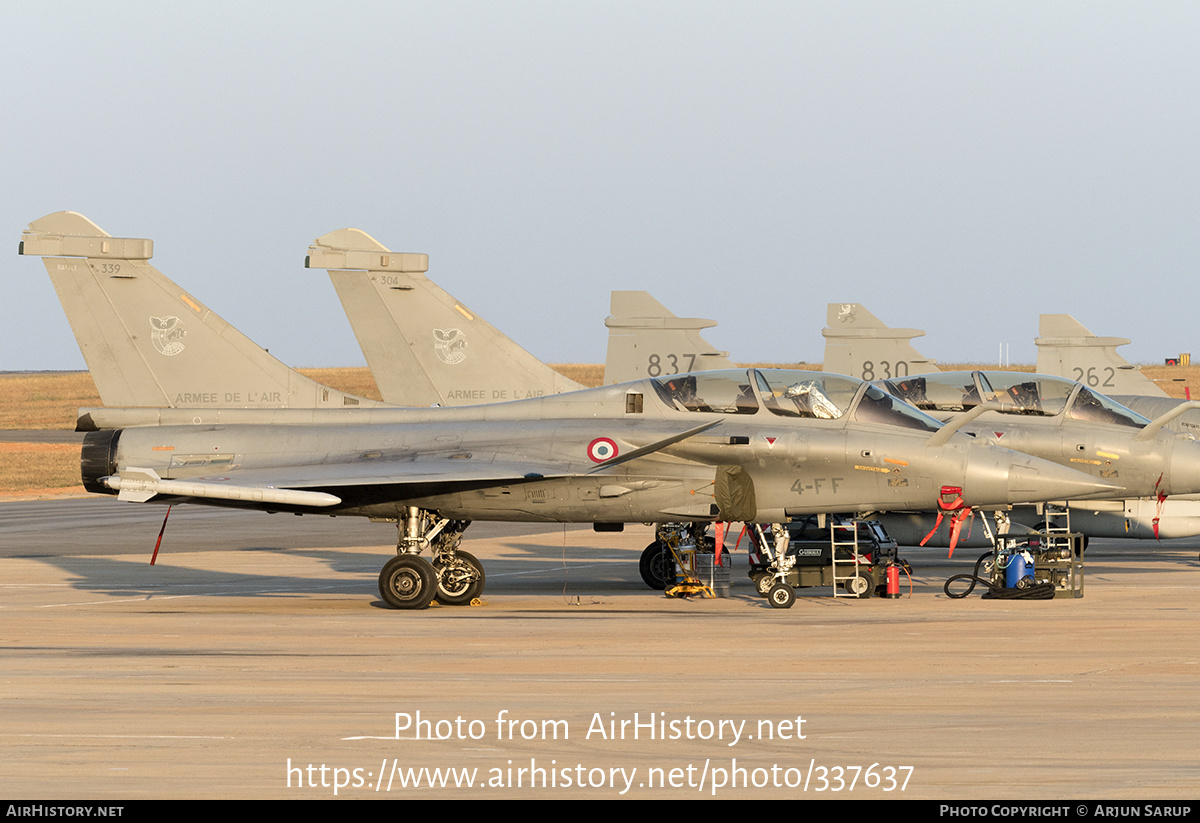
(453,577)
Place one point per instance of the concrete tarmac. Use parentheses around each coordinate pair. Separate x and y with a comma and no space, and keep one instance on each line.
(256,660)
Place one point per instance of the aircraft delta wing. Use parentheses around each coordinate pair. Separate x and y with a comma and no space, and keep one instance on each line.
(147,342)
(422,345)
(738,445)
(645,339)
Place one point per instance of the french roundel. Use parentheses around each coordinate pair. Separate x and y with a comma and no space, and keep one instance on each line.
(601,449)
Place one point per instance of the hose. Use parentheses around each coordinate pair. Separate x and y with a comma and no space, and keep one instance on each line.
(1038,591)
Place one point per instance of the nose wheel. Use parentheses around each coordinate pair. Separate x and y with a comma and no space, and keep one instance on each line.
(781,596)
(657,566)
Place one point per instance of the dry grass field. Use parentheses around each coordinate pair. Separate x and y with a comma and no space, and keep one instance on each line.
(50,401)
(39,468)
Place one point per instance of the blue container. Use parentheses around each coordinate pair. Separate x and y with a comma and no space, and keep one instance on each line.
(1017,570)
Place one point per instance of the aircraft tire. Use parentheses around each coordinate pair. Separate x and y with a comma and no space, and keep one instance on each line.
(407,582)
(781,596)
(657,566)
(763,583)
(458,585)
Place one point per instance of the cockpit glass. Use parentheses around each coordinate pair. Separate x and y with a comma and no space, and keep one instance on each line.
(787,393)
(721,392)
(1032,394)
(945,392)
(814,395)
(877,406)
(1097,408)
(1013,392)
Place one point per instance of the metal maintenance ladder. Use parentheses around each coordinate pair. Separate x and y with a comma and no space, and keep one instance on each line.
(847,567)
(1057,526)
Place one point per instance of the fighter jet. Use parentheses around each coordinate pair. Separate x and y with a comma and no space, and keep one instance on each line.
(1065,347)
(1063,421)
(732,445)
(1050,417)
(1055,419)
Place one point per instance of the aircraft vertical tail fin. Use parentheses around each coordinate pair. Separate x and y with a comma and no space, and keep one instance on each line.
(146,341)
(860,344)
(423,346)
(1066,348)
(645,339)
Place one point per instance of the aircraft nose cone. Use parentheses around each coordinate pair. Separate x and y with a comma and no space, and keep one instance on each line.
(999,476)
(1032,480)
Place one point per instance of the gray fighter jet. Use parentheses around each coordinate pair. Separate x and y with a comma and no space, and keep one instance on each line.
(1052,418)
(646,339)
(1063,421)
(734,445)
(1065,427)
(1065,347)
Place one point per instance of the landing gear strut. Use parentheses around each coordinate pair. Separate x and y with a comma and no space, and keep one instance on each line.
(454,577)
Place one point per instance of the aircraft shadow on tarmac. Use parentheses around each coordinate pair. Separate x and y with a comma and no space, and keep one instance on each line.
(525,559)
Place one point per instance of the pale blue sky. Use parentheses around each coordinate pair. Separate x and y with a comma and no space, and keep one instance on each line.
(955,166)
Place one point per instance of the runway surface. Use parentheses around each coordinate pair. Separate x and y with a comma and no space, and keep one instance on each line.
(256,660)
(40,436)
